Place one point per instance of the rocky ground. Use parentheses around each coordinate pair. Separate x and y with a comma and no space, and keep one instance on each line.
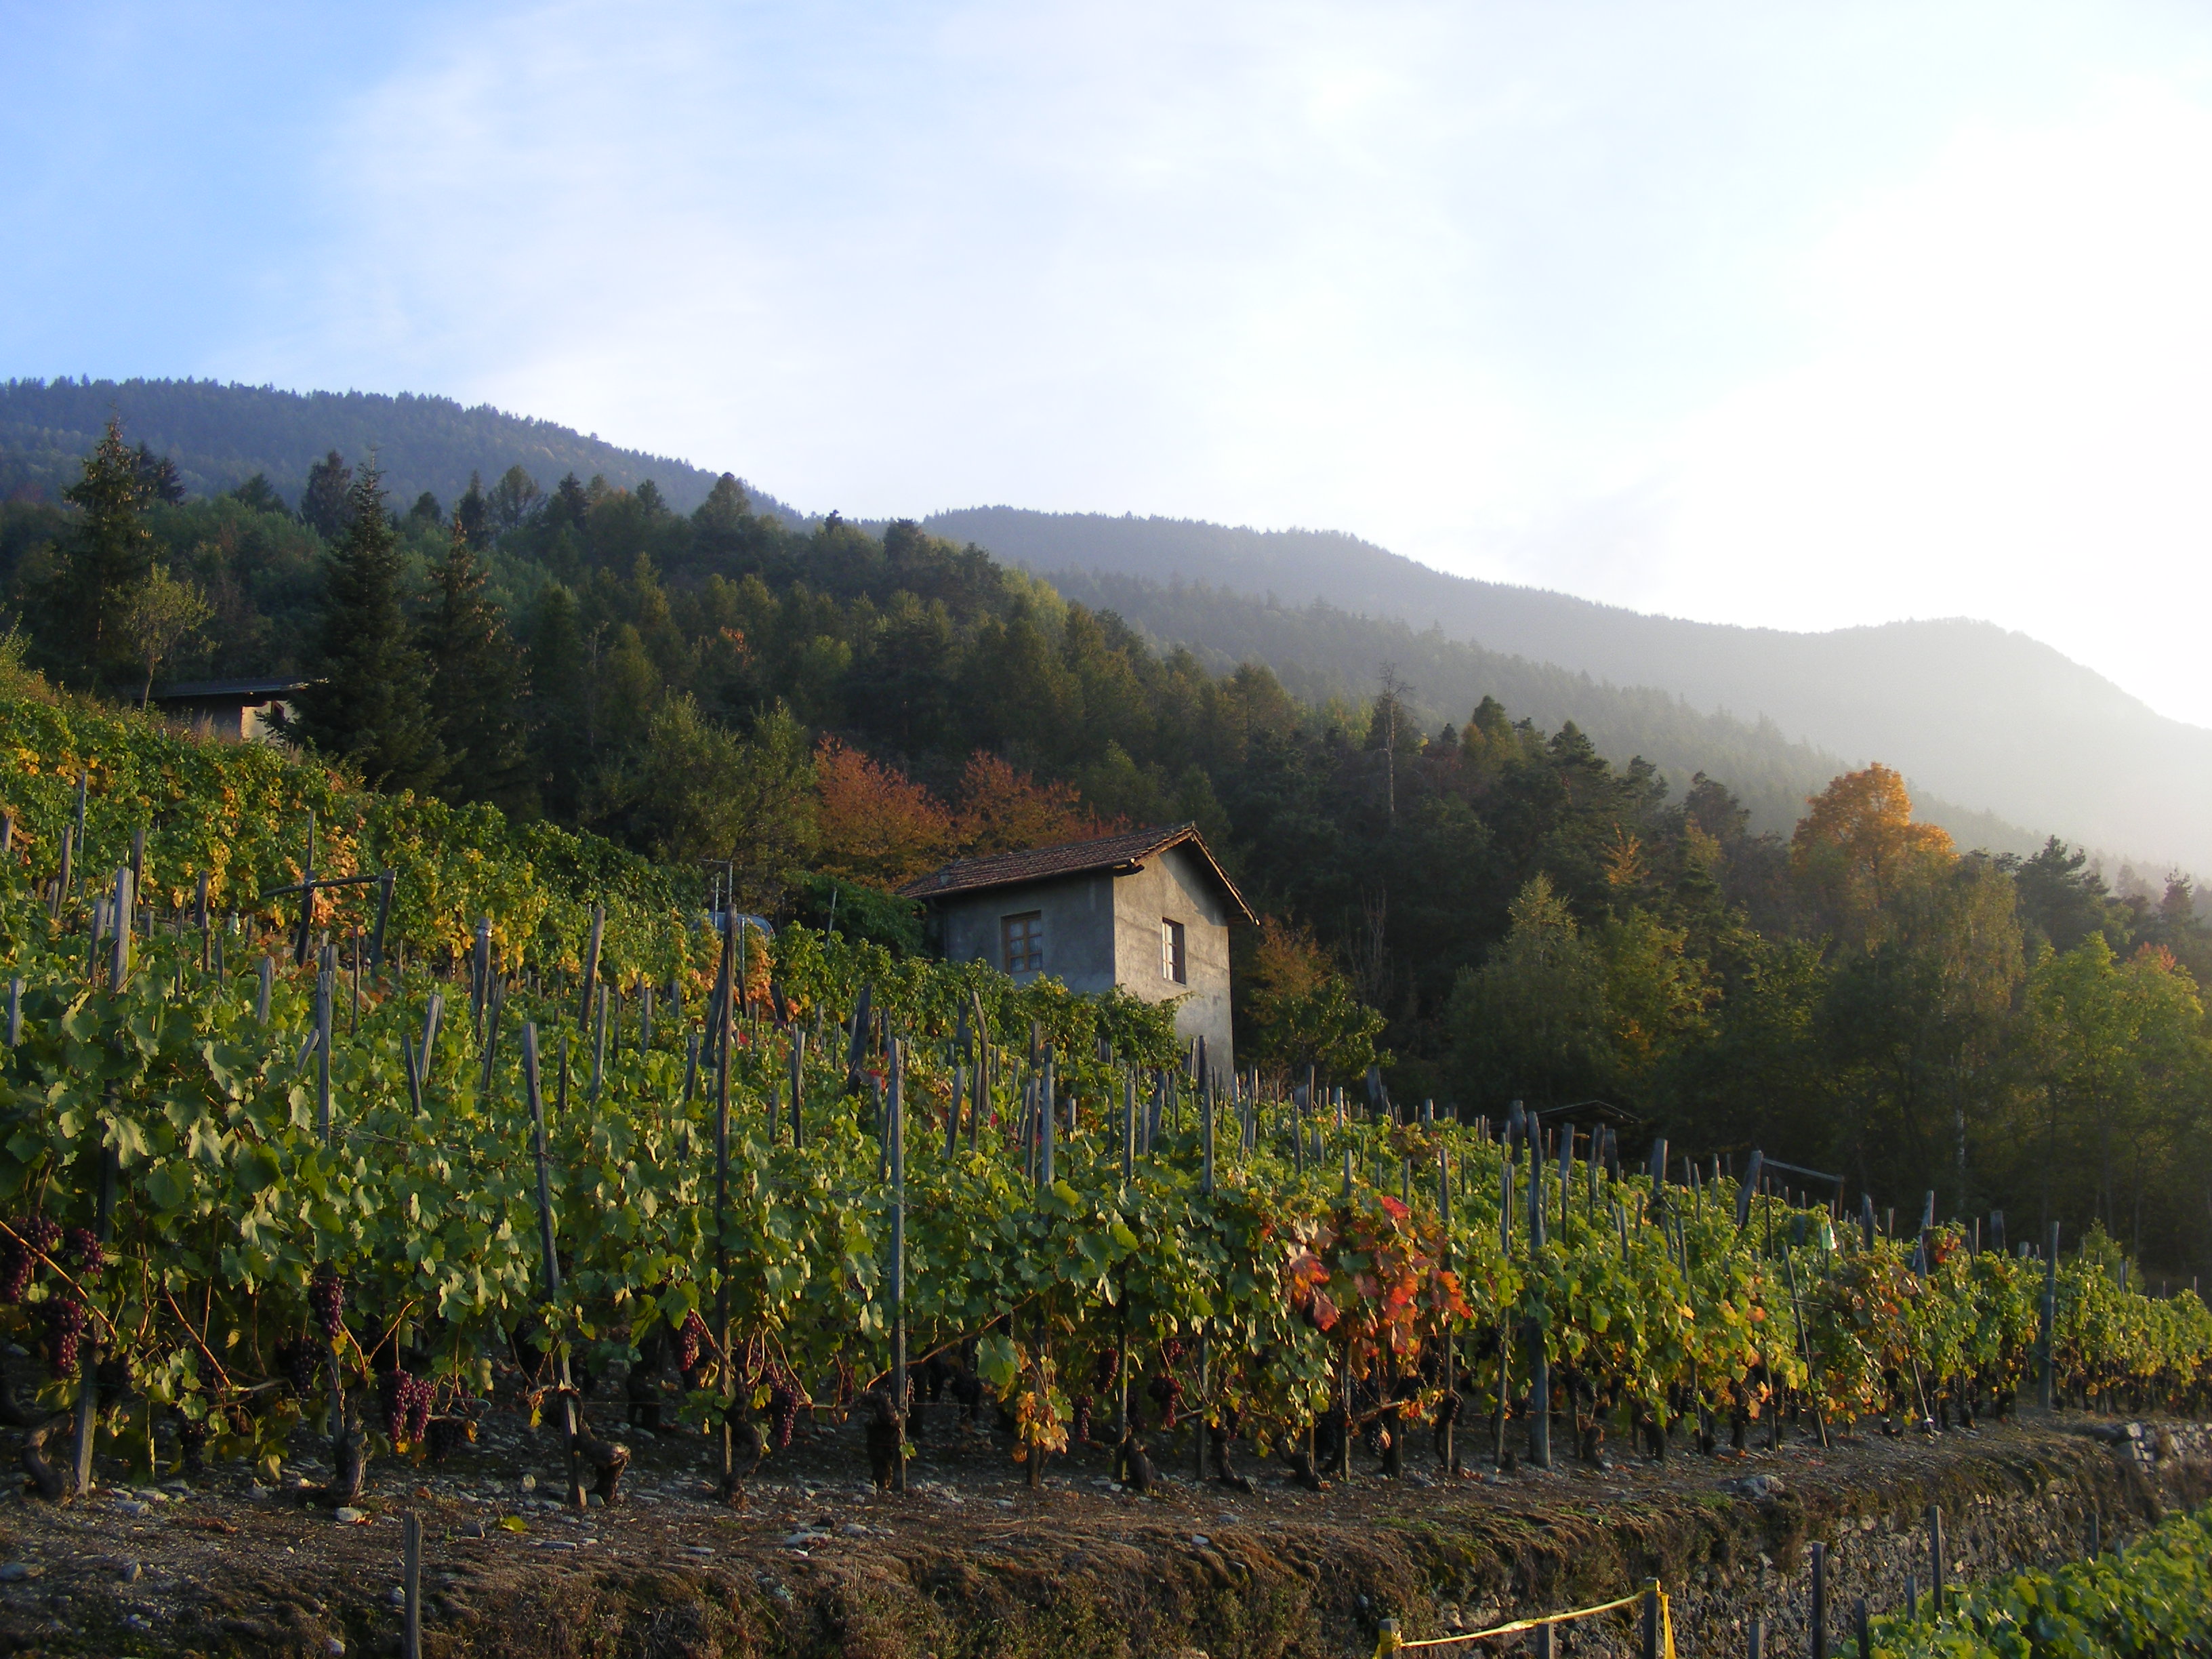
(971,1561)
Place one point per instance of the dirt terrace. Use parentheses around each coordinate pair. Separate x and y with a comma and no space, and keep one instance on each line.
(970,1562)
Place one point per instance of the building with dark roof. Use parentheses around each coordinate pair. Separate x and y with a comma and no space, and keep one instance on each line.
(1147,911)
(239,711)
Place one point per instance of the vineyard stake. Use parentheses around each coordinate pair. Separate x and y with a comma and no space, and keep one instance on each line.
(1935,1560)
(798,1074)
(119,965)
(1819,1646)
(1540,1364)
(1046,1113)
(545,1247)
(15,1012)
(591,967)
(1865,1632)
(1128,1122)
(1651,1621)
(1754,1640)
(2046,1358)
(410,1635)
(897,1126)
(383,885)
(88,1388)
(721,1240)
(1450,1454)
(323,1055)
(480,974)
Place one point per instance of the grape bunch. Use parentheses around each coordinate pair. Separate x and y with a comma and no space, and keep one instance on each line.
(448,1435)
(20,1261)
(192,1440)
(298,1361)
(1167,1394)
(405,1399)
(64,1327)
(1108,1368)
(782,1411)
(1080,1427)
(326,1297)
(690,1342)
(81,1246)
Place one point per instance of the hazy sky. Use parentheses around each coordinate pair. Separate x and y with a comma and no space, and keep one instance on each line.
(1800,315)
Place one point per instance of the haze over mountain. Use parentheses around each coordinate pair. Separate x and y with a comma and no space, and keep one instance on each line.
(1970,712)
(2003,738)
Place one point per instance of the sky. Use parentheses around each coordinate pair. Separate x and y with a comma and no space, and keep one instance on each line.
(1792,315)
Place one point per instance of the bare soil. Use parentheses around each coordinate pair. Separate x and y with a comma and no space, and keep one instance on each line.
(971,1562)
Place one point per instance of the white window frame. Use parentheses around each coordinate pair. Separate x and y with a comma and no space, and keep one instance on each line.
(1175,951)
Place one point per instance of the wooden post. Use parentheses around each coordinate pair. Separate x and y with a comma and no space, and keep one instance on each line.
(547,1252)
(410,1635)
(2096,1533)
(721,1240)
(480,974)
(323,1055)
(1865,1630)
(87,1391)
(1754,1640)
(797,1084)
(591,967)
(1818,1644)
(1128,1126)
(1936,1560)
(1449,1453)
(896,1126)
(1540,1364)
(15,1012)
(2046,1342)
(1545,1650)
(118,963)
(1651,1621)
(384,883)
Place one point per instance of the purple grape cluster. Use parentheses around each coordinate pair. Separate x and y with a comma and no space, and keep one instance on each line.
(326,1297)
(192,1440)
(447,1436)
(690,1342)
(298,1361)
(782,1411)
(406,1400)
(84,1251)
(1167,1394)
(19,1263)
(1080,1426)
(1108,1368)
(65,1328)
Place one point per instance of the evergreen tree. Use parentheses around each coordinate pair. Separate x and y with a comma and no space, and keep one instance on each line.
(560,694)
(107,558)
(475,685)
(371,704)
(158,473)
(472,514)
(326,502)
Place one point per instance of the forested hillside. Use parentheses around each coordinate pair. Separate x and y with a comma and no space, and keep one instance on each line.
(219,436)
(1322,651)
(1994,721)
(1483,904)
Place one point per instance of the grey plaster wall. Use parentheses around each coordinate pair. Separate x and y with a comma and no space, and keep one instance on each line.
(1174,886)
(1079,928)
(1102,931)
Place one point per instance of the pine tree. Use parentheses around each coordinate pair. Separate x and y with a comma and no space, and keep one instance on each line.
(327,500)
(109,555)
(371,704)
(559,694)
(475,685)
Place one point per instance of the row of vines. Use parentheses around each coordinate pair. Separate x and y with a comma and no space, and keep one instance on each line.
(254,1174)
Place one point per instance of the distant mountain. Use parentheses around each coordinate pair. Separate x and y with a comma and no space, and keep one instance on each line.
(1970,712)
(220,435)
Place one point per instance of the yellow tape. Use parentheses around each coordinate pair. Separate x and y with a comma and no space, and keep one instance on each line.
(1390,1643)
(1666,1623)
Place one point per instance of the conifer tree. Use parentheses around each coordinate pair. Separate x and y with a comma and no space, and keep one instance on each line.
(109,555)
(371,704)
(476,684)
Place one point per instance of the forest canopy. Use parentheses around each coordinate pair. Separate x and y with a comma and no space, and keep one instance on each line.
(1490,911)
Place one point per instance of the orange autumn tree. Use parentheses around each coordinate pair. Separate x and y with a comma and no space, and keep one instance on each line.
(1005,810)
(878,826)
(1857,852)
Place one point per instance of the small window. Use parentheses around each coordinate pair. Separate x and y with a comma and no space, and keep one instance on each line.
(1022,937)
(1174,965)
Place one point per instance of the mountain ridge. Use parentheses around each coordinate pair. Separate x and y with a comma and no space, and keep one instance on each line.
(2134,780)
